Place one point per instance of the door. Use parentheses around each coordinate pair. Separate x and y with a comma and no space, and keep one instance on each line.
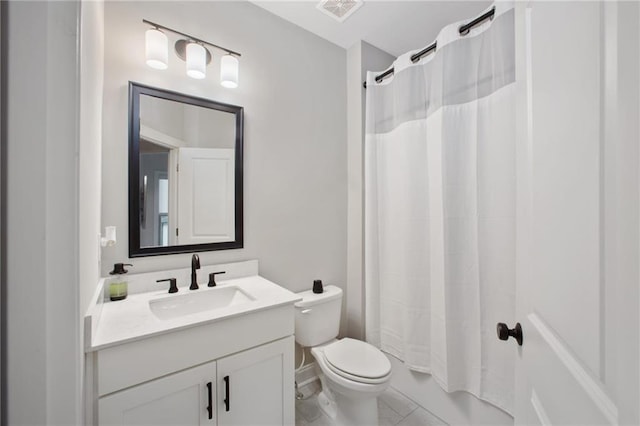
(206,196)
(256,387)
(185,398)
(577,212)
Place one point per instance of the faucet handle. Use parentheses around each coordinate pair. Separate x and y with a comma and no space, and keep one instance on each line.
(212,278)
(195,261)
(173,287)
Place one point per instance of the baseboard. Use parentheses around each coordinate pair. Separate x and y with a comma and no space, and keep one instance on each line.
(306,374)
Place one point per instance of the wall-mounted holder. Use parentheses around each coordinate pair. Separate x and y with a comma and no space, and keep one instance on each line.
(109,238)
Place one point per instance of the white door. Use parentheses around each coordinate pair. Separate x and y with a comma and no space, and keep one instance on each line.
(206,195)
(256,387)
(571,193)
(185,398)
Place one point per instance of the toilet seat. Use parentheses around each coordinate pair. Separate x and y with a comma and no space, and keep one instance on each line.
(357,360)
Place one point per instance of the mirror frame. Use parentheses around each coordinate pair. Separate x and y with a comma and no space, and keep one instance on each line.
(135,90)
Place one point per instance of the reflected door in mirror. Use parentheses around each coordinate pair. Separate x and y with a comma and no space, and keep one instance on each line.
(205,195)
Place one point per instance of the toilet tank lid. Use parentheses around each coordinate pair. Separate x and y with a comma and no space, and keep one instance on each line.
(309,298)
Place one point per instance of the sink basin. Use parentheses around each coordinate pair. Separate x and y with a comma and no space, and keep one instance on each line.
(195,302)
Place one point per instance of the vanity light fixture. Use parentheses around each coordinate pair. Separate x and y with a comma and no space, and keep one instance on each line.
(193,51)
(229,71)
(196,61)
(156,49)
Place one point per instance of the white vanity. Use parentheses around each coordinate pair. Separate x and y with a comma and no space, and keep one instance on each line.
(215,356)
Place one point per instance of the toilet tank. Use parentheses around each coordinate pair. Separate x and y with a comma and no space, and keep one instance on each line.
(318,316)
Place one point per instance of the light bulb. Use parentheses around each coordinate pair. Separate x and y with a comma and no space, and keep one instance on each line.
(196,61)
(229,71)
(156,49)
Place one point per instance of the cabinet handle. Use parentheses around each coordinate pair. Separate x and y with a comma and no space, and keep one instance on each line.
(210,407)
(227,399)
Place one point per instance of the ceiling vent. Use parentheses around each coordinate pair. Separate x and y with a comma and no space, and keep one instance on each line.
(339,9)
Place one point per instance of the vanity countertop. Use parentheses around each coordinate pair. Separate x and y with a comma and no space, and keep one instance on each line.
(115,323)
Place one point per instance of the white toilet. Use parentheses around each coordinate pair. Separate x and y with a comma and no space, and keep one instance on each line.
(352,373)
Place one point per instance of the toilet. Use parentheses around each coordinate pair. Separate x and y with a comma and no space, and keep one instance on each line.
(352,372)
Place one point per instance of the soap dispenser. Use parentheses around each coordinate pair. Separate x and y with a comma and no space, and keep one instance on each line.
(118,284)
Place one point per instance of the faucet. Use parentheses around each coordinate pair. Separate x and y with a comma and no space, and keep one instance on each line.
(195,264)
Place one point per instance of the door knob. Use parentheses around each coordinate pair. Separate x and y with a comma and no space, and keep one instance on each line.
(504,332)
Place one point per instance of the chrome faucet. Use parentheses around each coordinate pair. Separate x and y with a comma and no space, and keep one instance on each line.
(195,264)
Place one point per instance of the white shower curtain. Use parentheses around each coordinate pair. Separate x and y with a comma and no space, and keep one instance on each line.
(440,209)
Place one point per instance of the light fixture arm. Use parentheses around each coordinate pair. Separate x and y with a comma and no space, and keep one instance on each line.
(198,40)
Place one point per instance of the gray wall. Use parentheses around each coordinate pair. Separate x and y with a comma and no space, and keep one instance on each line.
(293,89)
(361,57)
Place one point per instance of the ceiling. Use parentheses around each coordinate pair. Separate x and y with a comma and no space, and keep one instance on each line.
(394,26)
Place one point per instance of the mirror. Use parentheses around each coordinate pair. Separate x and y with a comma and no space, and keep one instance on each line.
(185,173)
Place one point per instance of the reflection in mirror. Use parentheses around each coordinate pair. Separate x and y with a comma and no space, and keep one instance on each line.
(189,195)
(195,196)
(154,195)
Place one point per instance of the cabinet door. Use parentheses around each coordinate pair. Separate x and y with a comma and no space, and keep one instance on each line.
(182,398)
(256,387)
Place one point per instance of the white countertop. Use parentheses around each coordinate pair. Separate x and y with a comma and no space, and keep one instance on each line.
(131,319)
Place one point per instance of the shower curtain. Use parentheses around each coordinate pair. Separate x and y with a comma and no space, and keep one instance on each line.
(440,209)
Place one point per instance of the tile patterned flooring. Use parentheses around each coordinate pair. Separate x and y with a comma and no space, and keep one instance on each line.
(394,409)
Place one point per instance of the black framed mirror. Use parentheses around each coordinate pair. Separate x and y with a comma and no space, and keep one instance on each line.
(185,173)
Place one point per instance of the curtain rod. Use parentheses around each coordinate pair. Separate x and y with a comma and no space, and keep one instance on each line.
(463,30)
(153,24)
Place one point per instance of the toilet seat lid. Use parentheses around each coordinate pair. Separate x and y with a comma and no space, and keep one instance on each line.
(357,358)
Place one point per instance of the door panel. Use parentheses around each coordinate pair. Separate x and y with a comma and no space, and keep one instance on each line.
(178,399)
(566,392)
(566,172)
(561,242)
(206,194)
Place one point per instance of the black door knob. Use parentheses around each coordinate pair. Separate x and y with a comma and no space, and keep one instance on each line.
(504,332)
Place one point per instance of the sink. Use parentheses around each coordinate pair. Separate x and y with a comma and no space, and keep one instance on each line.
(176,306)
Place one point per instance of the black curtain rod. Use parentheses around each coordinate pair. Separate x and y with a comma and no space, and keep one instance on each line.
(463,30)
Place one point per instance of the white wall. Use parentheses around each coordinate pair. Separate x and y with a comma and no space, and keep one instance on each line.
(90,153)
(292,86)
(194,125)
(165,116)
(43,356)
(90,146)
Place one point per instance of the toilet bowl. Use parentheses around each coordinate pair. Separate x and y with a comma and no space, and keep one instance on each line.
(352,372)
(347,397)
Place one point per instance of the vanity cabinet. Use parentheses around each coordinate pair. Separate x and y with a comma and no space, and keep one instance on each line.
(162,379)
(226,365)
(251,387)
